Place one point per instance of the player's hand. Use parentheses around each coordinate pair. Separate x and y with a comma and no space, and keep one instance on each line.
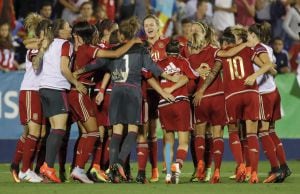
(137,40)
(203,71)
(80,88)
(99,98)
(198,97)
(75,74)
(169,97)
(249,81)
(176,77)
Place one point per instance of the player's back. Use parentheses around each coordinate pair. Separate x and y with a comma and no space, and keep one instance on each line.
(235,70)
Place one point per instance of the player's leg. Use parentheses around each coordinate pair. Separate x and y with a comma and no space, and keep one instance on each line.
(153,150)
(169,140)
(218,150)
(208,154)
(62,154)
(200,148)
(142,153)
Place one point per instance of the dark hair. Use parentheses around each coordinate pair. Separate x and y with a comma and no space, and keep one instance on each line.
(262,31)
(105,24)
(277,38)
(58,25)
(6,43)
(199,3)
(44,25)
(113,38)
(46,4)
(186,21)
(85,3)
(129,27)
(228,37)
(173,47)
(238,31)
(85,30)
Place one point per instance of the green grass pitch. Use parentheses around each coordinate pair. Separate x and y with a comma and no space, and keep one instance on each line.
(291,185)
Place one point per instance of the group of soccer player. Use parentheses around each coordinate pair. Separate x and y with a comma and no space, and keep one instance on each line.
(115,86)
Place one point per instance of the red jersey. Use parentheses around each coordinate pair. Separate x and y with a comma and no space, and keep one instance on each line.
(206,59)
(183,42)
(84,56)
(109,7)
(158,49)
(177,65)
(235,70)
(295,54)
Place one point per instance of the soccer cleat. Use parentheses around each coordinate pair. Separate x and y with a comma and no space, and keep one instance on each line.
(49,173)
(29,176)
(63,176)
(207,175)
(127,171)
(168,179)
(14,170)
(175,169)
(79,174)
(286,172)
(141,177)
(112,176)
(248,173)
(194,177)
(241,173)
(97,174)
(201,170)
(216,177)
(118,168)
(254,178)
(155,175)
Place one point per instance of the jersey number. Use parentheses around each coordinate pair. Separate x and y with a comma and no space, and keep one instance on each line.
(126,72)
(236,67)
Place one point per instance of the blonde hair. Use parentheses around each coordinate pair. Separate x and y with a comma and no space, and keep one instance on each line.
(31,22)
(129,27)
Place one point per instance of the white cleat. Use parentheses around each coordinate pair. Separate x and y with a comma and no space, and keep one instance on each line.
(79,174)
(207,175)
(29,176)
(175,173)
(168,179)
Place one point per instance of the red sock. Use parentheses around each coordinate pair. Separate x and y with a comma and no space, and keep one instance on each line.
(105,159)
(245,152)
(19,151)
(87,148)
(97,153)
(279,148)
(253,149)
(28,151)
(269,148)
(218,150)
(152,145)
(181,156)
(199,147)
(142,155)
(208,154)
(81,142)
(235,146)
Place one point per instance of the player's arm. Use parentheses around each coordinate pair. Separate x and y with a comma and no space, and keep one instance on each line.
(265,59)
(264,67)
(155,85)
(119,52)
(233,51)
(209,79)
(181,82)
(100,95)
(100,63)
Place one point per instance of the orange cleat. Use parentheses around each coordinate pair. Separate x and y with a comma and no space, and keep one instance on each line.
(248,173)
(49,173)
(155,176)
(201,170)
(241,173)
(14,170)
(254,178)
(216,177)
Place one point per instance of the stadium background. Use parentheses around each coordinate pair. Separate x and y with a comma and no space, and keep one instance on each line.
(288,128)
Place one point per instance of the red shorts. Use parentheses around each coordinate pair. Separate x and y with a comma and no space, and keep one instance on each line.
(270,106)
(102,110)
(81,106)
(30,107)
(243,106)
(176,116)
(211,110)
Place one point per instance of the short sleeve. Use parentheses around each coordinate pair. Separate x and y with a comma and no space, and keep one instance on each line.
(188,70)
(32,53)
(92,51)
(260,49)
(66,49)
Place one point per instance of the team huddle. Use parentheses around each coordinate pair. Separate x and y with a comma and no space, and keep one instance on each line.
(115,86)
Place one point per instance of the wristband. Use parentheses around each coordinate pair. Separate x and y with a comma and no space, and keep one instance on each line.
(101,90)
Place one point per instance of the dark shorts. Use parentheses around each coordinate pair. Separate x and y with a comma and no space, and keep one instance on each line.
(54,102)
(152,100)
(125,105)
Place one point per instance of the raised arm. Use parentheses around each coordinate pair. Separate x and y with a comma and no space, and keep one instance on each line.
(233,51)
(209,79)
(120,51)
(100,63)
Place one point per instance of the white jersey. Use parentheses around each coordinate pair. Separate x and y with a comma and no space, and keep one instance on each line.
(31,80)
(51,75)
(266,82)
(223,19)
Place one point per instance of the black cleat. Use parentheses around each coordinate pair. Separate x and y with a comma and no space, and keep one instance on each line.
(286,172)
(141,177)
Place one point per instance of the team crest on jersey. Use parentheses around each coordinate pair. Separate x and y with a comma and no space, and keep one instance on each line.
(171,68)
(161,44)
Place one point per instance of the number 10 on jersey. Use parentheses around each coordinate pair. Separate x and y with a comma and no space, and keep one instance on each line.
(236,67)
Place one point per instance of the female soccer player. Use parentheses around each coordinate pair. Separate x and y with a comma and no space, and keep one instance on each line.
(82,106)
(270,102)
